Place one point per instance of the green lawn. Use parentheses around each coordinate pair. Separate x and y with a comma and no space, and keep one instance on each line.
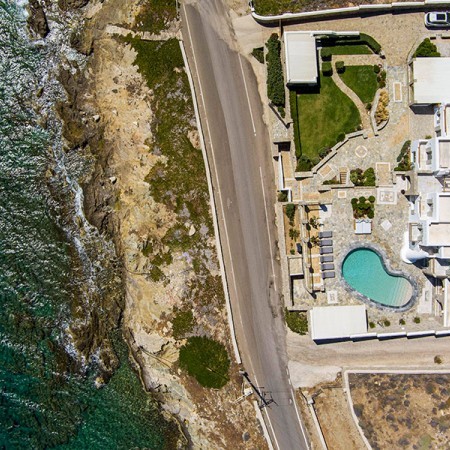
(362,80)
(350,50)
(324,116)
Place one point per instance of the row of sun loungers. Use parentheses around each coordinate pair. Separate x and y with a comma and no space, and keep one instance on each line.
(326,249)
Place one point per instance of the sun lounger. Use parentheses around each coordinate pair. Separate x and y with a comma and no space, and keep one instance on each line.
(326,250)
(328,275)
(326,259)
(325,234)
(329,266)
(325,242)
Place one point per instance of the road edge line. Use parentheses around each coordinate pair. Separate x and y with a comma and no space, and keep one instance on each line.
(213,207)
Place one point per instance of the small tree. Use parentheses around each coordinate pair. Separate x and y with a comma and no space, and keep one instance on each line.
(314,222)
(314,240)
(290,212)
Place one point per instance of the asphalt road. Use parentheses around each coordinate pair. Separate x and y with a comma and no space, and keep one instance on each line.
(238,149)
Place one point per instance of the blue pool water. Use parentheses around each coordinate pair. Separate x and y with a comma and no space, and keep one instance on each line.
(363,270)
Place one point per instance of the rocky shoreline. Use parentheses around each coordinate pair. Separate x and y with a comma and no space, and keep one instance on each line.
(109,119)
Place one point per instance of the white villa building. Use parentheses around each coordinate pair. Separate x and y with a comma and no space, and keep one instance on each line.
(429,197)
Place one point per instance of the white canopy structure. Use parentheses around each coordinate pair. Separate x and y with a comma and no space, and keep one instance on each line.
(430,78)
(301,58)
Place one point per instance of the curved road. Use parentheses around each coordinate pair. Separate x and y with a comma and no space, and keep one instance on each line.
(241,164)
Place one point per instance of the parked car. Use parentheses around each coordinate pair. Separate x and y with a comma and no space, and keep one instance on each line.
(437,19)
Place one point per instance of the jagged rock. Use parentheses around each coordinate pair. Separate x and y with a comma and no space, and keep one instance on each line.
(192,230)
(96,118)
(66,5)
(113,180)
(37,21)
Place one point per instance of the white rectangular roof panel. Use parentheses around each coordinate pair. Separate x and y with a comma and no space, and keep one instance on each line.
(431,80)
(337,322)
(301,58)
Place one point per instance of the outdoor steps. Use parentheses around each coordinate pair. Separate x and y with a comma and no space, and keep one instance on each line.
(343,175)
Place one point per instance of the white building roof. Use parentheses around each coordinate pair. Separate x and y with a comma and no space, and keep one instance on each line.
(337,322)
(431,80)
(301,58)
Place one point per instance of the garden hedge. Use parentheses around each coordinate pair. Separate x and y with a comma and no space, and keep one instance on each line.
(275,79)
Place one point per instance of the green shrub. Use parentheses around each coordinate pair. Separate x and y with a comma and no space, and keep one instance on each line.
(371,324)
(275,80)
(381,78)
(404,158)
(327,69)
(354,201)
(386,323)
(340,66)
(371,42)
(282,111)
(182,324)
(376,68)
(426,49)
(282,196)
(325,54)
(324,152)
(438,360)
(294,114)
(369,177)
(402,321)
(332,181)
(258,54)
(290,212)
(340,138)
(206,360)
(304,164)
(416,320)
(296,321)
(372,199)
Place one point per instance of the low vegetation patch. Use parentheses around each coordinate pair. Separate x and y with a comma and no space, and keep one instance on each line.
(382,112)
(182,323)
(363,178)
(155,15)
(206,360)
(324,116)
(350,45)
(426,49)
(290,211)
(275,79)
(402,411)
(404,158)
(258,54)
(363,207)
(296,321)
(362,80)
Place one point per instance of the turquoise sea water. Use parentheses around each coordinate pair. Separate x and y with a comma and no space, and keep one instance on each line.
(48,398)
(363,270)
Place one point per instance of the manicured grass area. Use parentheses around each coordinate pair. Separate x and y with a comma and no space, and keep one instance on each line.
(362,80)
(206,360)
(350,50)
(324,116)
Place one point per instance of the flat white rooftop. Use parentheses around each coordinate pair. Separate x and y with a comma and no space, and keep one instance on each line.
(337,322)
(301,58)
(431,80)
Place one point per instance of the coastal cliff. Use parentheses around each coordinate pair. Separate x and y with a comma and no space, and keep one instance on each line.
(147,192)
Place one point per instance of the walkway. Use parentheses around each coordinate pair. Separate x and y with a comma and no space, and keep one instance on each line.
(358,60)
(365,119)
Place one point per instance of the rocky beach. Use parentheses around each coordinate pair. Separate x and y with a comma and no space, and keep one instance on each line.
(128,121)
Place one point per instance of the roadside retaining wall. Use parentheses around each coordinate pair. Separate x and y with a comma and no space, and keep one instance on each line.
(351,10)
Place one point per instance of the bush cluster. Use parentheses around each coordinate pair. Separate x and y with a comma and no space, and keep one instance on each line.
(363,178)
(376,68)
(258,54)
(332,181)
(296,321)
(304,164)
(327,69)
(340,66)
(290,212)
(294,114)
(381,78)
(404,158)
(275,80)
(363,207)
(426,49)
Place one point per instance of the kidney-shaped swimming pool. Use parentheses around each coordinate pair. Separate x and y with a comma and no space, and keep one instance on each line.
(365,272)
